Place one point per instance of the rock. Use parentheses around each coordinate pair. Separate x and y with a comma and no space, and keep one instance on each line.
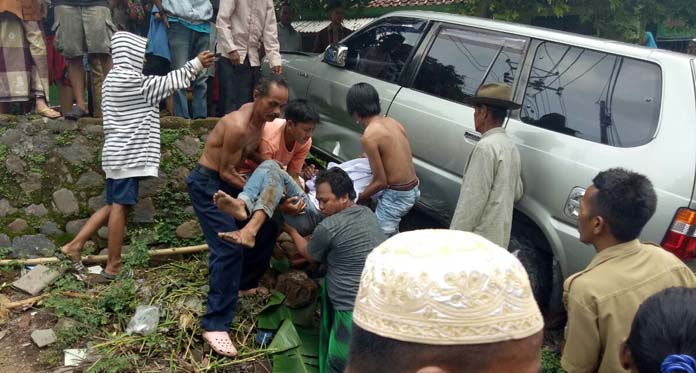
(58,167)
(188,145)
(77,153)
(190,211)
(289,248)
(32,246)
(144,211)
(269,280)
(195,304)
(15,165)
(103,233)
(151,186)
(6,208)
(204,138)
(36,280)
(43,338)
(65,323)
(50,228)
(73,227)
(66,202)
(95,203)
(11,137)
(58,126)
(36,210)
(3,334)
(92,130)
(5,240)
(188,229)
(284,237)
(298,288)
(31,182)
(148,237)
(90,180)
(89,247)
(18,225)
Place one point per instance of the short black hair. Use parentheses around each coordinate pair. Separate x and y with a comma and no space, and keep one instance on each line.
(370,353)
(302,111)
(340,182)
(265,83)
(664,325)
(363,100)
(626,200)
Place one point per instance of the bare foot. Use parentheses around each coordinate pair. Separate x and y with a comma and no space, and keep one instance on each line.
(240,237)
(72,250)
(259,290)
(232,206)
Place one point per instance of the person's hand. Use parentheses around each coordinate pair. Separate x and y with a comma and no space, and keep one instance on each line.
(292,206)
(158,17)
(277,69)
(234,58)
(207,58)
(309,171)
(165,19)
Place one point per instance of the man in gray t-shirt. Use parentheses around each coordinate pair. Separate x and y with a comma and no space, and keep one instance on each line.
(343,240)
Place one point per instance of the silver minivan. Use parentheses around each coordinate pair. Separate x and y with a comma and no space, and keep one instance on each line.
(587,105)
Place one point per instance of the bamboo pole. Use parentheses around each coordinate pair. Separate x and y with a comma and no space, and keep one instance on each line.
(102,258)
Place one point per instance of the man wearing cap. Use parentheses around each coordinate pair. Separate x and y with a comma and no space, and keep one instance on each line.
(444,301)
(491,184)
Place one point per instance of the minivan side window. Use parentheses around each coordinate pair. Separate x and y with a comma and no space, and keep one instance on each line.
(460,60)
(382,50)
(592,95)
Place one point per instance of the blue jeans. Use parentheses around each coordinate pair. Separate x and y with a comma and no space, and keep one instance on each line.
(264,189)
(185,44)
(392,206)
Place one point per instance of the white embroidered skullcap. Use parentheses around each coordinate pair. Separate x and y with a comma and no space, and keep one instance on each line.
(445,287)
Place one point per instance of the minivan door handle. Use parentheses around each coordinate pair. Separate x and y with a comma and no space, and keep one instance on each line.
(472,136)
(572,205)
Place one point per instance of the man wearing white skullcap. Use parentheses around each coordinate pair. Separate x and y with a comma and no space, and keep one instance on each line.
(444,301)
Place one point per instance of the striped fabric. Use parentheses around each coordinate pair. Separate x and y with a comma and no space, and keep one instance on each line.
(130,103)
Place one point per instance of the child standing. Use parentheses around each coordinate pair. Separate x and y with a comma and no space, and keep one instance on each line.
(131,138)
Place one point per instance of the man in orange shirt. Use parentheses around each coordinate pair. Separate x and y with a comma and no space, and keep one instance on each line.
(287,142)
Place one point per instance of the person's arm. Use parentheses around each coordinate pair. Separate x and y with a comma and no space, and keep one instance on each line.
(476,187)
(224,30)
(379,176)
(301,243)
(162,12)
(297,161)
(314,250)
(270,39)
(230,157)
(157,88)
(582,341)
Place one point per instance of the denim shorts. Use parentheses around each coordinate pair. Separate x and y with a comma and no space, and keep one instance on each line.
(122,191)
(392,206)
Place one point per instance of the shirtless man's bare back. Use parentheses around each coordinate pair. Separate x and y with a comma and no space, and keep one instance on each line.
(386,146)
(233,138)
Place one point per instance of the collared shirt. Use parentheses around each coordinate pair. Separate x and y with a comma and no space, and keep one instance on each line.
(490,187)
(603,299)
(289,38)
(272,146)
(243,25)
(192,12)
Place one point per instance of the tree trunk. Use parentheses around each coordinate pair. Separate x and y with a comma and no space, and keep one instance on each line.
(484,9)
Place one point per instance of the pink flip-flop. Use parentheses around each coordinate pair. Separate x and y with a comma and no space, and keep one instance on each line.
(220,342)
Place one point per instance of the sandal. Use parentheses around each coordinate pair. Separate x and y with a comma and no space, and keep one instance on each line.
(76,113)
(76,264)
(220,342)
(48,113)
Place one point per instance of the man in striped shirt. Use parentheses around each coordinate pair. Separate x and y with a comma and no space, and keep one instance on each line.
(130,102)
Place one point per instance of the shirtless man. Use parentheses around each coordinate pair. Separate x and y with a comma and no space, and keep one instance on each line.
(386,146)
(232,139)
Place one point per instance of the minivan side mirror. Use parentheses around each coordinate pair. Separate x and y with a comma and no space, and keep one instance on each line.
(335,54)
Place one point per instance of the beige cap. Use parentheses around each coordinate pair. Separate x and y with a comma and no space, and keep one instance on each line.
(445,287)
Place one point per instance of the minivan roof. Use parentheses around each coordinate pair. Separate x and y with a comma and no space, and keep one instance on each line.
(563,37)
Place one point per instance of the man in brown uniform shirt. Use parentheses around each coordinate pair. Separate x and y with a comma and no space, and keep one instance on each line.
(603,299)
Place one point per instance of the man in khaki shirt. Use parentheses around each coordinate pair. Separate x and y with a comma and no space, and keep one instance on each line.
(603,299)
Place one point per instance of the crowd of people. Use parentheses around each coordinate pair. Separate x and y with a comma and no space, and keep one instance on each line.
(66,43)
(423,301)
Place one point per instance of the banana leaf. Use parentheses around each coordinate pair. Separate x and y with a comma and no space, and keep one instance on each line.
(285,339)
(281,266)
(272,315)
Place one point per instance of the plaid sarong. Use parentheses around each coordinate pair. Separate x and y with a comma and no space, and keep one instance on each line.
(334,336)
(23,61)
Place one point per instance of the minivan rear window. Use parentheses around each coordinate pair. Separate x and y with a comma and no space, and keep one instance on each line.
(592,95)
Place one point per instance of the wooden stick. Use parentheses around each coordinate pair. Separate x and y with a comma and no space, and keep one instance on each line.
(102,258)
